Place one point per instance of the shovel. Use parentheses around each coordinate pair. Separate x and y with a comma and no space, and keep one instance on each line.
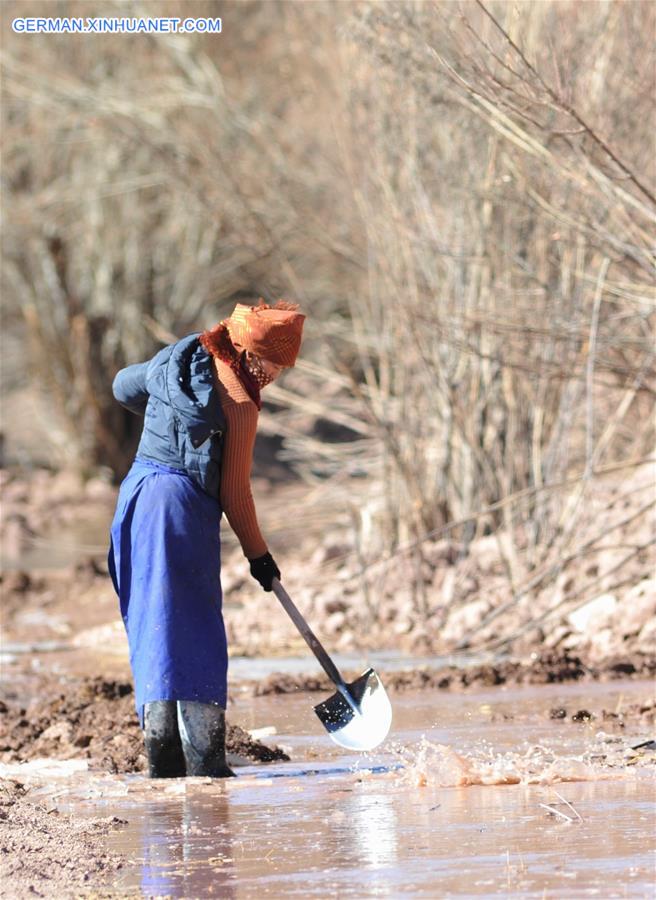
(358,716)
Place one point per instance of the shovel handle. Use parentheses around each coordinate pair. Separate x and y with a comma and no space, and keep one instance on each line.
(309,636)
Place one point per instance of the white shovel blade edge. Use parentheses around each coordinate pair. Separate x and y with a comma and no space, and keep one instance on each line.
(369,728)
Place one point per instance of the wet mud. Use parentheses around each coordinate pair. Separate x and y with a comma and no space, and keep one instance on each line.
(634,713)
(540,668)
(46,853)
(478,793)
(78,817)
(94,719)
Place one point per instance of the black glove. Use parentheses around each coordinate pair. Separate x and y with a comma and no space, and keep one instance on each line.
(264,570)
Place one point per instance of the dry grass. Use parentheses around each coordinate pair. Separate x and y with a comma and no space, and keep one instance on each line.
(460,194)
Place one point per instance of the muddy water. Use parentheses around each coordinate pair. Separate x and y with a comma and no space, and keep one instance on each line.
(451,806)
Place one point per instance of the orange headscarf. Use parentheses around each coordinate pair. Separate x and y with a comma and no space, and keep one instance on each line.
(270,332)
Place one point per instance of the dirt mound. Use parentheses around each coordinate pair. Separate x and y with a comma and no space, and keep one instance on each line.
(545,668)
(95,720)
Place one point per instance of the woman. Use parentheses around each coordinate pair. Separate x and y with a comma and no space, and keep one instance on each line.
(200,399)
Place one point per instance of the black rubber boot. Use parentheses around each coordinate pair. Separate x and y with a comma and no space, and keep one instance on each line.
(202,732)
(163,745)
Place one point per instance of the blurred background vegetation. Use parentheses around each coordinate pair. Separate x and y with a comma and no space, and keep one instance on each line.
(461,196)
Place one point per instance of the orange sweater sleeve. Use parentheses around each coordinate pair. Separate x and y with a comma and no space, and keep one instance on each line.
(241,424)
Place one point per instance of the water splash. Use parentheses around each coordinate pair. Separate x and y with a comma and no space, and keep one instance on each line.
(427,763)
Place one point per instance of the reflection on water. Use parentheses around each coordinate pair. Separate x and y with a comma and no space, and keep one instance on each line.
(480,808)
(185,846)
(372,823)
(373,836)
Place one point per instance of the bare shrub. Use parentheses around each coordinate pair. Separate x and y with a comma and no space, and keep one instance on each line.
(142,198)
(501,162)
(462,196)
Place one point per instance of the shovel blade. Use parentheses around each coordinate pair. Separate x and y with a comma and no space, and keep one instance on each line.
(362,724)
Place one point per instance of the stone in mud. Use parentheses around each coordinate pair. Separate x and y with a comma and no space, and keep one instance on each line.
(60,731)
(462,620)
(646,640)
(603,644)
(558,636)
(642,715)
(594,614)
(638,608)
(574,641)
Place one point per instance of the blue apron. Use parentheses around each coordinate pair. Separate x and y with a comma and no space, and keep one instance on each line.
(165,562)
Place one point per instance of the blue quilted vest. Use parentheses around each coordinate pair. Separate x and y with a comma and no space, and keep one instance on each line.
(183,420)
